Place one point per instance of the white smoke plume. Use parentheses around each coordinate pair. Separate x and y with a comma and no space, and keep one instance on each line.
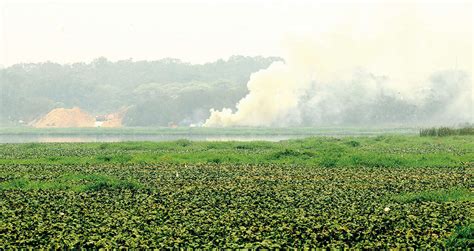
(410,61)
(273,94)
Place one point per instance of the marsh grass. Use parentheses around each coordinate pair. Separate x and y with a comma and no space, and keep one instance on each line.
(117,158)
(463,236)
(382,151)
(446,131)
(454,194)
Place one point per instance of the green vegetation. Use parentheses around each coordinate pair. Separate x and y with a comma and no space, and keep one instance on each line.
(462,237)
(360,192)
(454,194)
(380,151)
(447,131)
(73,182)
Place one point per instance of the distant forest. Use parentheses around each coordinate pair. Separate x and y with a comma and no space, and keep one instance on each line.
(156,93)
(171,92)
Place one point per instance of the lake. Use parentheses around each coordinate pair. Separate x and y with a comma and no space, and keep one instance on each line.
(28,135)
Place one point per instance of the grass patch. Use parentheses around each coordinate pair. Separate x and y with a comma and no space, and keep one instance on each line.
(285,154)
(463,236)
(386,151)
(290,153)
(454,194)
(120,158)
(353,143)
(328,162)
(183,142)
(214,160)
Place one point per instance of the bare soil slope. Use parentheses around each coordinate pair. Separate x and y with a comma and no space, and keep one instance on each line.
(62,117)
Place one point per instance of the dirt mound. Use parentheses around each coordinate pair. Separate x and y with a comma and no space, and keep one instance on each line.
(62,117)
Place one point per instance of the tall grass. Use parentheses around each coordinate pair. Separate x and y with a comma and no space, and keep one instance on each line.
(446,131)
(463,236)
(453,194)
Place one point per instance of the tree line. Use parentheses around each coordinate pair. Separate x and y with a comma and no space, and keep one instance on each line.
(156,93)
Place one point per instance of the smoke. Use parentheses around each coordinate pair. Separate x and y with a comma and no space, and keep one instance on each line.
(274,95)
(404,65)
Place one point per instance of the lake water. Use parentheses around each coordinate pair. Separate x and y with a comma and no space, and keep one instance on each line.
(29,135)
(120,138)
(157,138)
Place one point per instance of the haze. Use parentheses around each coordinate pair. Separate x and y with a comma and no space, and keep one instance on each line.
(237,63)
(200,31)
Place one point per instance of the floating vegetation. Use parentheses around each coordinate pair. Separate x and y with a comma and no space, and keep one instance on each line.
(390,192)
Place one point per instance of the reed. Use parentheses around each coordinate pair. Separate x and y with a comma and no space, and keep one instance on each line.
(446,131)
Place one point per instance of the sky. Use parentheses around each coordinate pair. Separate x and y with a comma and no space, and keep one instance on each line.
(205,30)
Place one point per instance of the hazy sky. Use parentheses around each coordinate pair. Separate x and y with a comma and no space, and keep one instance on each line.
(202,31)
